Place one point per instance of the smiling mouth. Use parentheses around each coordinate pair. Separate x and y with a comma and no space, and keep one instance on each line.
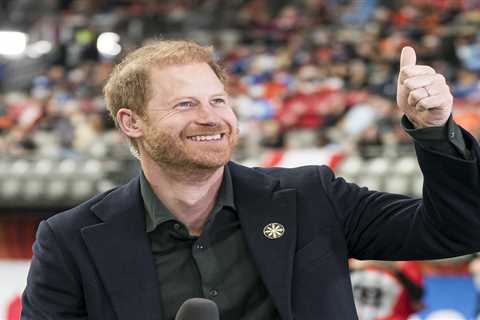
(207,137)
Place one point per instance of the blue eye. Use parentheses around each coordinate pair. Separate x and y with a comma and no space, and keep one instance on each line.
(219,101)
(185,104)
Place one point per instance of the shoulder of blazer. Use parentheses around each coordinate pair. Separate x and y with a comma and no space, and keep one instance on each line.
(300,176)
(82,215)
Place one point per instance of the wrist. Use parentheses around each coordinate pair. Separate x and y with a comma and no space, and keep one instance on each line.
(415,123)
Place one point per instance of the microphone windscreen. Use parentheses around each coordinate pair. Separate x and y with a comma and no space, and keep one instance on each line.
(198,309)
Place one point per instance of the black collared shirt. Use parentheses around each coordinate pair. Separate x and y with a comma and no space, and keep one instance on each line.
(217,265)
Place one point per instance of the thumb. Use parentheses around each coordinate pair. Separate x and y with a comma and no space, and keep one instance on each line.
(407,57)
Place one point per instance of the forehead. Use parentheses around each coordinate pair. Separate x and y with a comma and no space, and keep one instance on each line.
(196,79)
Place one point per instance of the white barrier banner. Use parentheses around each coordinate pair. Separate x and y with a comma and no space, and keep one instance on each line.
(13,278)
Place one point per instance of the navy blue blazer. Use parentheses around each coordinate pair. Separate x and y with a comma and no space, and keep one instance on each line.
(94,261)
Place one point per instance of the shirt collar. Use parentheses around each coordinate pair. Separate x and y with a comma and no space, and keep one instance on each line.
(157,213)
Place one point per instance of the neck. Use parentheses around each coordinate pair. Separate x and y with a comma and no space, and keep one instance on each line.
(189,194)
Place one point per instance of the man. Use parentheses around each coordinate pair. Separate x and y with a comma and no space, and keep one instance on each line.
(261,243)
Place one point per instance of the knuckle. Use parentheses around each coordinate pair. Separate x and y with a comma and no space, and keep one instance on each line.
(407,69)
(410,71)
(411,100)
(422,103)
(443,90)
(430,69)
(441,78)
(415,95)
(403,76)
(425,69)
(408,83)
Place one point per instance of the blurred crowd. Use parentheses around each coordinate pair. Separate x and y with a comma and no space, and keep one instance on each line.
(304,73)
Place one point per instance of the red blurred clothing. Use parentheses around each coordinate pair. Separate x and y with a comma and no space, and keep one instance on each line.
(380,294)
(274,90)
(307,110)
(406,306)
(14,309)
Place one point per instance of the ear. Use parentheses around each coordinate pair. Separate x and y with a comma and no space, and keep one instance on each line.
(129,122)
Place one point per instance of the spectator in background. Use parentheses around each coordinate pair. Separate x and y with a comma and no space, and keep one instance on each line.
(467,85)
(269,47)
(314,104)
(387,290)
(5,121)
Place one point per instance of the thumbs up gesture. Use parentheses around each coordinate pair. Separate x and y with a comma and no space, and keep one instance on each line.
(422,94)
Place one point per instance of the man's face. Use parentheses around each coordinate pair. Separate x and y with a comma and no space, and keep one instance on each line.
(189,122)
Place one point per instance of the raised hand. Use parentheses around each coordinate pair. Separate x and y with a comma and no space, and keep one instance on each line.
(422,94)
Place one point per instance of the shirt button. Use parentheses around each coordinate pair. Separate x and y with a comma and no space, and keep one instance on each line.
(213,293)
(177,226)
(452,134)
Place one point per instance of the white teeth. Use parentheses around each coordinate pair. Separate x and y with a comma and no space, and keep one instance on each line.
(206,138)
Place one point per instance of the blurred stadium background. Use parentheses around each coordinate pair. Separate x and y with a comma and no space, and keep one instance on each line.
(313,82)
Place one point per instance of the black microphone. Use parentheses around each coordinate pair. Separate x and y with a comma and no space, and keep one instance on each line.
(198,309)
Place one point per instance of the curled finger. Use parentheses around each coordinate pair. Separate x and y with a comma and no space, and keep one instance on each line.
(433,102)
(420,81)
(418,94)
(414,71)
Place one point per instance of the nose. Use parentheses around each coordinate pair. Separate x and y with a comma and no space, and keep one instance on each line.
(207,116)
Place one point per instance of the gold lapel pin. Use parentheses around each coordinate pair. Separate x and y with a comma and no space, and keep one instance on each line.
(274,230)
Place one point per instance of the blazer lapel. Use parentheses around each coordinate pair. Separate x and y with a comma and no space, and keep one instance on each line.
(121,251)
(258,206)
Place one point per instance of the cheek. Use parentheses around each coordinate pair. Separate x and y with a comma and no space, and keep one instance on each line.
(166,115)
(229,117)
(167,125)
